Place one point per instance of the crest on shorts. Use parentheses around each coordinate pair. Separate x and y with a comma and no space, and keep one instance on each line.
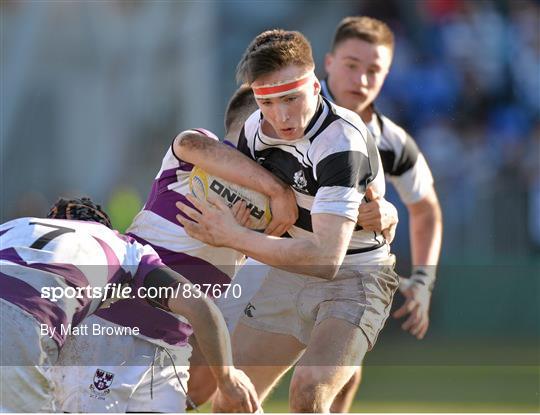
(103,379)
(300,181)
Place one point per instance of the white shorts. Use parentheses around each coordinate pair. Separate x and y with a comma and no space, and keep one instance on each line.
(129,389)
(25,360)
(293,304)
(120,374)
(249,278)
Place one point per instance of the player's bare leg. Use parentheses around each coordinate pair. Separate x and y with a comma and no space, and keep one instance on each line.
(201,384)
(336,349)
(263,356)
(344,399)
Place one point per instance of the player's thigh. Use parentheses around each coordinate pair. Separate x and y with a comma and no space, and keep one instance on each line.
(361,295)
(336,348)
(25,360)
(264,356)
(333,342)
(25,389)
(244,286)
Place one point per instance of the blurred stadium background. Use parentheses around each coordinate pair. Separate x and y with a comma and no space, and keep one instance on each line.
(92,93)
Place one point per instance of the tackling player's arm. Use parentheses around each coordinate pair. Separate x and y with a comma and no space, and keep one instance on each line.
(211,332)
(319,254)
(226,162)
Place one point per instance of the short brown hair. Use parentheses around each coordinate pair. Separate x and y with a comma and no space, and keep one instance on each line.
(273,50)
(241,105)
(364,28)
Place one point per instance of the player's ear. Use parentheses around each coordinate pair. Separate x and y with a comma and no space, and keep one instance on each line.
(317,86)
(328,60)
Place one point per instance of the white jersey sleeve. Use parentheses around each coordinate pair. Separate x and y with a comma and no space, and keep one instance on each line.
(404,164)
(414,184)
(341,167)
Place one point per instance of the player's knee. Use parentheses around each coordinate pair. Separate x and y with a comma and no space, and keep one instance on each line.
(307,392)
(301,398)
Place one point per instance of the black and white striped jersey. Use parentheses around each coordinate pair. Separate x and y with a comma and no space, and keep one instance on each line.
(403,163)
(328,169)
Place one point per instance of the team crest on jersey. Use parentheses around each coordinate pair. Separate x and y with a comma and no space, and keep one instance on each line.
(300,181)
(101,384)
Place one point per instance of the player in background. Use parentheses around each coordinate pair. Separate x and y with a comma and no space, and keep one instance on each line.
(330,289)
(76,248)
(356,67)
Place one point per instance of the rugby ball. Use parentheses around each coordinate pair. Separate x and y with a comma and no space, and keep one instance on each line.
(204,185)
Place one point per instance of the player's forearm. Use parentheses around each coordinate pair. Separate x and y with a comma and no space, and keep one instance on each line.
(301,255)
(210,330)
(226,162)
(426,232)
